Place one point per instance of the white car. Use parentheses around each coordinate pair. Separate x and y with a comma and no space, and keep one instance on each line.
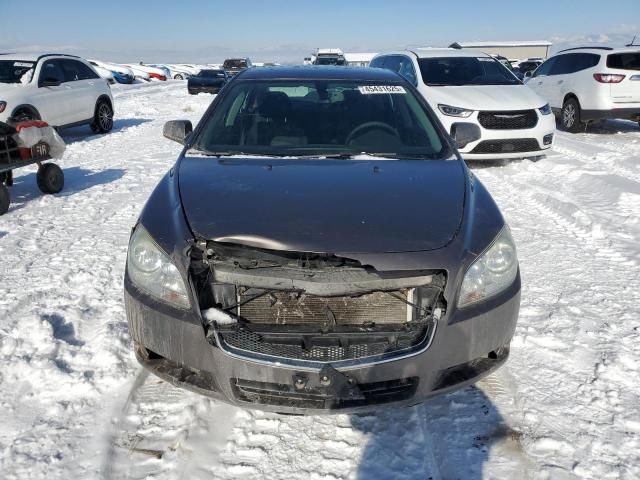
(190,69)
(472,87)
(153,72)
(173,71)
(104,73)
(62,90)
(586,84)
(120,73)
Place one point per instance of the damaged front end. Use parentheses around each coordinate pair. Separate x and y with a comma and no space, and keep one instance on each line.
(308,309)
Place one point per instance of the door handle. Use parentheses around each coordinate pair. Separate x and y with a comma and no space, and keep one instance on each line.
(560,81)
(539,83)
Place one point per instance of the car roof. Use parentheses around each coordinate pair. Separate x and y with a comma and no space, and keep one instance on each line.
(319,72)
(32,57)
(433,52)
(600,50)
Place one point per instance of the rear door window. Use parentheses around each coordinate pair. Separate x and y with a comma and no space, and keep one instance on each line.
(52,71)
(564,64)
(574,62)
(624,61)
(74,71)
(586,60)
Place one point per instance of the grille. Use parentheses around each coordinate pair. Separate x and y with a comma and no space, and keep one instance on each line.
(507,146)
(291,308)
(510,120)
(297,347)
(285,395)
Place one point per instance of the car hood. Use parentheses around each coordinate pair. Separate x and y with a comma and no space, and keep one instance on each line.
(486,97)
(324,206)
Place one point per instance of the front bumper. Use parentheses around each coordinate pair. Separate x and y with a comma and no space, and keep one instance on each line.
(510,139)
(467,345)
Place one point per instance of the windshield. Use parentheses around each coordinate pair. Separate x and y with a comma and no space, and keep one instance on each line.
(234,64)
(458,71)
(320,117)
(330,60)
(13,71)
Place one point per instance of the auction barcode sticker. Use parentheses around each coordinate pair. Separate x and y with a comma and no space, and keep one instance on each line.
(22,64)
(378,89)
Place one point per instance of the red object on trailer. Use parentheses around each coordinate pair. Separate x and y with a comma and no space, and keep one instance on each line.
(26,153)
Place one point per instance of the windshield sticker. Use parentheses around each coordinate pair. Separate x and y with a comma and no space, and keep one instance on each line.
(380,89)
(22,64)
(485,59)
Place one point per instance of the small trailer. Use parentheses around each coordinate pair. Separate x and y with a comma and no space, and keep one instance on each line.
(26,143)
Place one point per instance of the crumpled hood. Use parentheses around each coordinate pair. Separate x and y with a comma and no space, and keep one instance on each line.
(485,97)
(324,206)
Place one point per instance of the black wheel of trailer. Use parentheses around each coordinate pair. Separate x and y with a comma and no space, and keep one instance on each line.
(50,178)
(5,199)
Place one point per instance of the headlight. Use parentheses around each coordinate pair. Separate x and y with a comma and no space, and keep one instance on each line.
(454,111)
(492,272)
(545,110)
(152,271)
(3,105)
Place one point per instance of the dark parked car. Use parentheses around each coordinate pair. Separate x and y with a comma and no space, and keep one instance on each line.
(527,66)
(319,246)
(233,66)
(208,81)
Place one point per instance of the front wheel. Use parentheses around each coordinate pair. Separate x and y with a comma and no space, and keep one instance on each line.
(178,77)
(102,118)
(570,116)
(50,178)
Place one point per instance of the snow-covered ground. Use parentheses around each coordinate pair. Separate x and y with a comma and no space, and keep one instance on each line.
(75,404)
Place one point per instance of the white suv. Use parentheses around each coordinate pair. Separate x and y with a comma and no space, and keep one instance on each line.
(62,90)
(467,86)
(585,84)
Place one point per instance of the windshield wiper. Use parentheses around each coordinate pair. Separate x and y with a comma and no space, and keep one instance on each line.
(231,153)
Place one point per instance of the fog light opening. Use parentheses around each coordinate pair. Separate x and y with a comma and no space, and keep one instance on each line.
(547,139)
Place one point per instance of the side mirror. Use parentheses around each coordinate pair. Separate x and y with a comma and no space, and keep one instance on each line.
(464,133)
(50,82)
(177,130)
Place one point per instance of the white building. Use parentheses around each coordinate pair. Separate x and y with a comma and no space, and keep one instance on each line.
(520,50)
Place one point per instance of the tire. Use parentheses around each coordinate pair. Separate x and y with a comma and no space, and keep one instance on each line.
(570,116)
(50,178)
(178,77)
(5,199)
(102,118)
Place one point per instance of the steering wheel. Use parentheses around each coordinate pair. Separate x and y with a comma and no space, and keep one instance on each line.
(368,125)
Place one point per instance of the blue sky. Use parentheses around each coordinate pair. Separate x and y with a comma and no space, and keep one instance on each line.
(199,30)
